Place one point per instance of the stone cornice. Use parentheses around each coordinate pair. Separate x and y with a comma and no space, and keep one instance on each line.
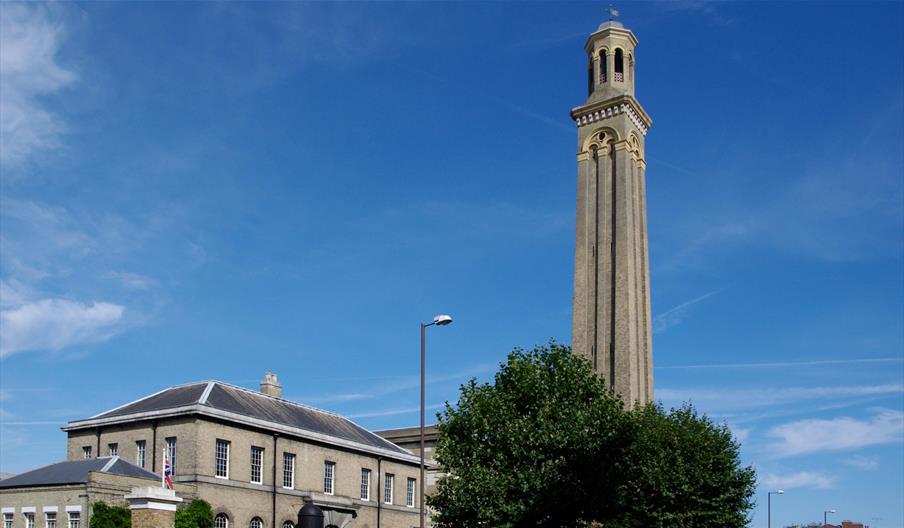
(625,104)
(204,410)
(601,33)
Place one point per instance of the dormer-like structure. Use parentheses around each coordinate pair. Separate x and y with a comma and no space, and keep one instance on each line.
(611,321)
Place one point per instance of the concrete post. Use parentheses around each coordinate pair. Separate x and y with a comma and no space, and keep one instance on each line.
(153,507)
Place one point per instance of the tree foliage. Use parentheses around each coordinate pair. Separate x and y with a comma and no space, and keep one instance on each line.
(198,514)
(105,516)
(547,444)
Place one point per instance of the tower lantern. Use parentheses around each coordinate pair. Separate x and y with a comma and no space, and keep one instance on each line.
(611,317)
(610,51)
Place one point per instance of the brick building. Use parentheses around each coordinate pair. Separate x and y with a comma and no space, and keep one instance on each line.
(257,458)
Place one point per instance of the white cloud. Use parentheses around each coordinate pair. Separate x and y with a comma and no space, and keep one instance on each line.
(676,315)
(393,412)
(53,324)
(814,436)
(783,364)
(129,280)
(29,42)
(722,400)
(801,479)
(862,462)
(740,434)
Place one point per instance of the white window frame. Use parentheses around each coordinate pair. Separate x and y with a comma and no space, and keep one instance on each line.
(50,519)
(225,444)
(288,524)
(29,518)
(74,516)
(365,484)
(8,518)
(171,446)
(410,491)
(388,483)
(329,477)
(256,522)
(141,452)
(113,449)
(259,451)
(288,461)
(87,452)
(223,516)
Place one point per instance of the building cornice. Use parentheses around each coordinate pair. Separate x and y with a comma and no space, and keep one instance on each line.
(624,104)
(203,410)
(601,33)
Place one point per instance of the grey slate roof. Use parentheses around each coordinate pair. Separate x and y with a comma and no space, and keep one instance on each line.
(251,404)
(75,472)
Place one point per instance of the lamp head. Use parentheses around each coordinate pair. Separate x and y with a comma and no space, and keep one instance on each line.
(781,492)
(831,511)
(442,320)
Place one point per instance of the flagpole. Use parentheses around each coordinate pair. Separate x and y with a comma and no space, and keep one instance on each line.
(163,473)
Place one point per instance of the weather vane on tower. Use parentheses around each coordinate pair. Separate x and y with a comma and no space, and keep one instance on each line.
(612,12)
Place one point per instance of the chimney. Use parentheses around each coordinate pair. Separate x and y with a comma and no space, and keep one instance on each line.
(270,385)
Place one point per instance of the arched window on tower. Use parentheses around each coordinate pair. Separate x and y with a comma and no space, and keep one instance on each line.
(604,66)
(619,65)
(590,76)
(631,67)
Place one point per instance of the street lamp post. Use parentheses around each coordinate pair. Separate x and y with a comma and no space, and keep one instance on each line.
(439,320)
(769,504)
(825,517)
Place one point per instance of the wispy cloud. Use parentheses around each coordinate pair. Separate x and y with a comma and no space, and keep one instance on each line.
(727,399)
(675,316)
(862,462)
(830,213)
(804,437)
(130,280)
(394,411)
(29,69)
(400,383)
(783,364)
(801,479)
(54,324)
(741,434)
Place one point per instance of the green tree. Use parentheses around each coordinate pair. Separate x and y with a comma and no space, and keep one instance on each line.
(547,444)
(525,451)
(104,516)
(683,471)
(198,514)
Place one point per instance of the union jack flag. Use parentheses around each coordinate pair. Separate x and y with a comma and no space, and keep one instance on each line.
(167,472)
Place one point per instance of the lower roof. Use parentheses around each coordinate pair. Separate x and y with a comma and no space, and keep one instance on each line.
(76,472)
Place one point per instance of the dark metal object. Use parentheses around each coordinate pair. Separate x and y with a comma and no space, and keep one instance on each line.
(310,516)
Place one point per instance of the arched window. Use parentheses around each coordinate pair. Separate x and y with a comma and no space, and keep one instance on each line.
(256,523)
(590,77)
(619,65)
(604,66)
(221,521)
(288,524)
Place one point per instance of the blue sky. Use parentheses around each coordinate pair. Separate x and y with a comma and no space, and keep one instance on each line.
(197,191)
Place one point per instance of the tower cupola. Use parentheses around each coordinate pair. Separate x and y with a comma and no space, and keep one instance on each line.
(610,53)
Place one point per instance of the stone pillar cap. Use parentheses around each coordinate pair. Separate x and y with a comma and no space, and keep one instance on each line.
(153,498)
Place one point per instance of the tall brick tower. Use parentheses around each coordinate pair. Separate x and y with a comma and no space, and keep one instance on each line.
(611,321)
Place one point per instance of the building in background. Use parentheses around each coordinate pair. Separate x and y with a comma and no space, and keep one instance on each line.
(255,457)
(59,495)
